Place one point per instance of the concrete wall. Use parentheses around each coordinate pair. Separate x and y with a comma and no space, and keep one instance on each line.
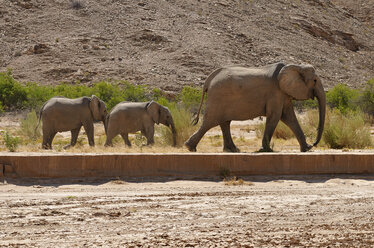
(182,164)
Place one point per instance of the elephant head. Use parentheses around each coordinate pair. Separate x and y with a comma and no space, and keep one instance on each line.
(301,83)
(98,110)
(161,114)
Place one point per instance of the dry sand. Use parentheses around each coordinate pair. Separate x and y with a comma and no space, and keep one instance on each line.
(308,211)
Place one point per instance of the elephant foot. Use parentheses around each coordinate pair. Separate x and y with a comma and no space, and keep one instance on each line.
(265,149)
(307,148)
(189,147)
(46,147)
(231,149)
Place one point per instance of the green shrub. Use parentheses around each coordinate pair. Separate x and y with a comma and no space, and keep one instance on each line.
(366,99)
(305,105)
(38,94)
(190,97)
(343,98)
(72,90)
(11,143)
(111,94)
(28,126)
(346,130)
(12,94)
(135,93)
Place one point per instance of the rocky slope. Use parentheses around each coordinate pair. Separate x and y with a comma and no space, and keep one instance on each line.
(172,43)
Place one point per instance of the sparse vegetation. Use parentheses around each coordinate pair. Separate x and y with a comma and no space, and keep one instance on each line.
(346,130)
(344,123)
(28,126)
(366,99)
(182,122)
(234,181)
(11,142)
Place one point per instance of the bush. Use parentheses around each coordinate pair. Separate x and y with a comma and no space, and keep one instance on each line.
(11,143)
(135,93)
(342,98)
(366,99)
(306,105)
(12,94)
(38,94)
(190,97)
(28,126)
(110,93)
(346,130)
(182,122)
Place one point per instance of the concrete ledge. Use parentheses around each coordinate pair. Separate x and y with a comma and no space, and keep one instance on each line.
(38,165)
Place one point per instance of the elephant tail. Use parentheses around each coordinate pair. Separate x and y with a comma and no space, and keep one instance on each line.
(205,90)
(40,117)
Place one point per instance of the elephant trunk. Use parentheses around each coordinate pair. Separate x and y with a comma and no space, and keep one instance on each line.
(174,132)
(320,94)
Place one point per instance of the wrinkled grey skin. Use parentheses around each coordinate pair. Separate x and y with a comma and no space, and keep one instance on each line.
(60,114)
(238,93)
(129,117)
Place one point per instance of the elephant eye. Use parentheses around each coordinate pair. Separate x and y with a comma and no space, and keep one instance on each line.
(315,80)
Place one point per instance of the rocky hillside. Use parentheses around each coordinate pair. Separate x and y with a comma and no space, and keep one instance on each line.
(172,43)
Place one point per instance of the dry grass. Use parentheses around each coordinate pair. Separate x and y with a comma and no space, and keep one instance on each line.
(208,144)
(117,181)
(212,142)
(234,181)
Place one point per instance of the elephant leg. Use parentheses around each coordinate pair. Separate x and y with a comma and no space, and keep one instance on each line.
(228,143)
(74,137)
(125,137)
(50,139)
(89,129)
(289,118)
(109,137)
(270,125)
(47,139)
(192,142)
(149,134)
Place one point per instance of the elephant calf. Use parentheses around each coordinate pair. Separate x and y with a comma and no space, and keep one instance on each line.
(61,114)
(129,117)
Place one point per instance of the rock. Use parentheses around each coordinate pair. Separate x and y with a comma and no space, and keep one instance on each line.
(332,36)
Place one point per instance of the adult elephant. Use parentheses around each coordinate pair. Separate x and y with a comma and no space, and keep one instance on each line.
(61,114)
(238,93)
(129,117)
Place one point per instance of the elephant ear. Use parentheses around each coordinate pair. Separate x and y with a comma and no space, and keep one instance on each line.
(95,107)
(292,81)
(153,109)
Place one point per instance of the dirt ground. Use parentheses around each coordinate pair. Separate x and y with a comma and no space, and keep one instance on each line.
(304,211)
(171,44)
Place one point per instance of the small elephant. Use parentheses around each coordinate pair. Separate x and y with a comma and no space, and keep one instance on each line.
(238,93)
(60,114)
(129,117)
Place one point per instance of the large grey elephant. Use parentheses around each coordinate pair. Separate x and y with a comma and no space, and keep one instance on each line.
(238,93)
(129,117)
(61,114)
